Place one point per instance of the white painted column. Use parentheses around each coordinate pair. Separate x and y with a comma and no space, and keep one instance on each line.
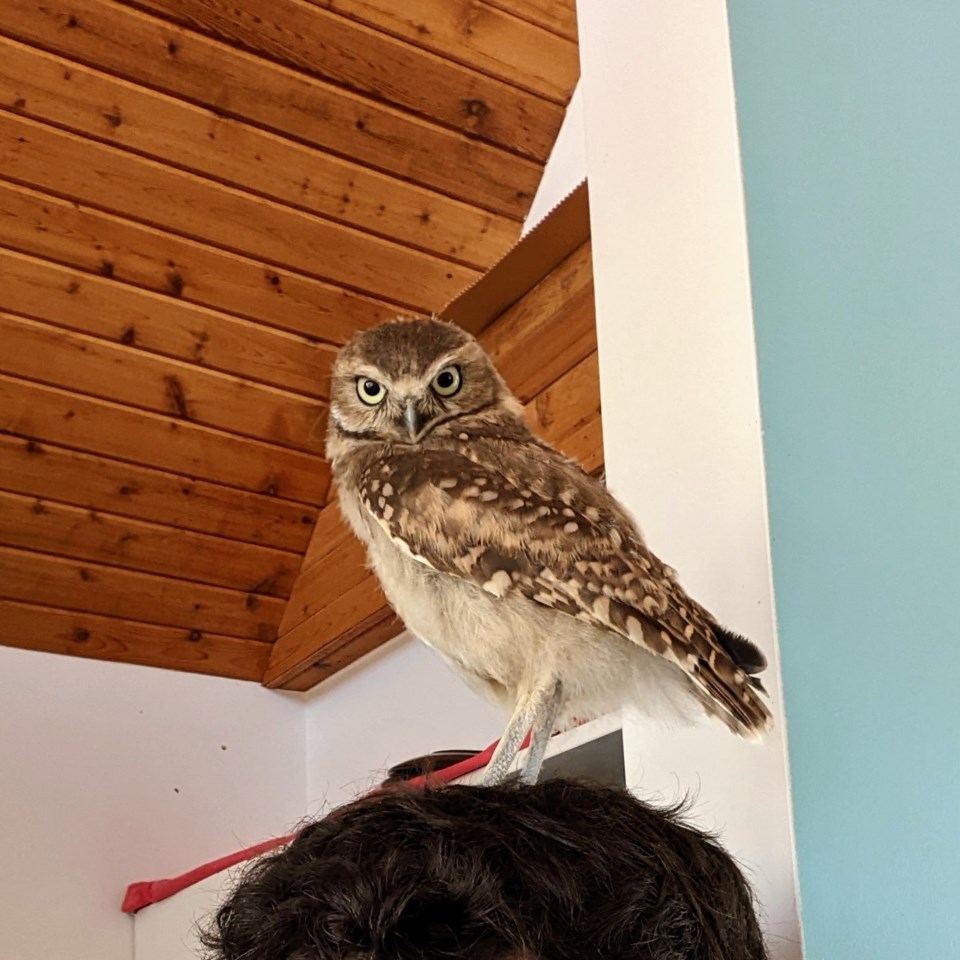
(678,377)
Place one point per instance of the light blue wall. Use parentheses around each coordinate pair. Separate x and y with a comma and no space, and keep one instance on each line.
(850,124)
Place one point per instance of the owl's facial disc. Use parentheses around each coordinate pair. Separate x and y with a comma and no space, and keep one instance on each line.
(402,380)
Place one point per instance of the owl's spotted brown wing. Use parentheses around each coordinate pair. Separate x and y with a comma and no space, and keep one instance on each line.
(565,545)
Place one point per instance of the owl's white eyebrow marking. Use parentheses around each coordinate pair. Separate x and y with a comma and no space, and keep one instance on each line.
(438,365)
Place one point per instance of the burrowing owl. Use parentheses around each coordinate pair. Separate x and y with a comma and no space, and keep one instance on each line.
(523,571)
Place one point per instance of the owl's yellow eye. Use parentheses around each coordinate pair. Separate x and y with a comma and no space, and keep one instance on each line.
(447,382)
(370,391)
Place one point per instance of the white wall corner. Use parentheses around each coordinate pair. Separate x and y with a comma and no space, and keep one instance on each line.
(398,702)
(113,773)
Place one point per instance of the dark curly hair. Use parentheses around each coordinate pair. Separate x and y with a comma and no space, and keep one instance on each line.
(558,871)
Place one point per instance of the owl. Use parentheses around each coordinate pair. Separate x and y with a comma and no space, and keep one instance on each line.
(519,568)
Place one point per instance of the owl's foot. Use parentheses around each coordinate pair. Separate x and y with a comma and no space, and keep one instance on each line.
(537,711)
(542,731)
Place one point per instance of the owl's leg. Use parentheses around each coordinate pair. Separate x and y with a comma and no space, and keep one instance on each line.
(509,745)
(542,731)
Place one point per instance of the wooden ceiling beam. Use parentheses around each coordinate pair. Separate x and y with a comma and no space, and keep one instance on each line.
(479,36)
(321,581)
(310,39)
(313,641)
(157,54)
(47,471)
(109,371)
(52,581)
(104,307)
(71,632)
(549,331)
(568,404)
(78,236)
(100,426)
(94,104)
(119,182)
(50,527)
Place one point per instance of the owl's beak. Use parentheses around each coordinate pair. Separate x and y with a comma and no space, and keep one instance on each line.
(413,419)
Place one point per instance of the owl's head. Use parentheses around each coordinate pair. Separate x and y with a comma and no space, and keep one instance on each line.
(400,380)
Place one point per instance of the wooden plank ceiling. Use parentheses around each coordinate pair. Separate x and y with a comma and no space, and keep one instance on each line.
(199,201)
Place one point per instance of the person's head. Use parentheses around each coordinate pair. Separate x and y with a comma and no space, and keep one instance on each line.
(555,871)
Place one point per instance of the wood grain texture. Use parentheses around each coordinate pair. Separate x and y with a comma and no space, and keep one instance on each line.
(549,330)
(112,591)
(79,634)
(47,526)
(364,638)
(311,39)
(48,472)
(559,16)
(103,307)
(119,182)
(91,103)
(568,404)
(237,84)
(99,368)
(477,35)
(319,584)
(584,444)
(111,430)
(75,235)
(337,625)
(329,532)
(199,201)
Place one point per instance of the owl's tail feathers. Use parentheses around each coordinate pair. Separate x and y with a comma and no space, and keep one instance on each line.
(734,695)
(746,655)
(740,708)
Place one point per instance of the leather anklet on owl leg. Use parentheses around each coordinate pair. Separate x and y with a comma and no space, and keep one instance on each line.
(542,731)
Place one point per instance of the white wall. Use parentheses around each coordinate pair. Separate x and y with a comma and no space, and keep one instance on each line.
(566,166)
(681,419)
(112,773)
(399,702)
